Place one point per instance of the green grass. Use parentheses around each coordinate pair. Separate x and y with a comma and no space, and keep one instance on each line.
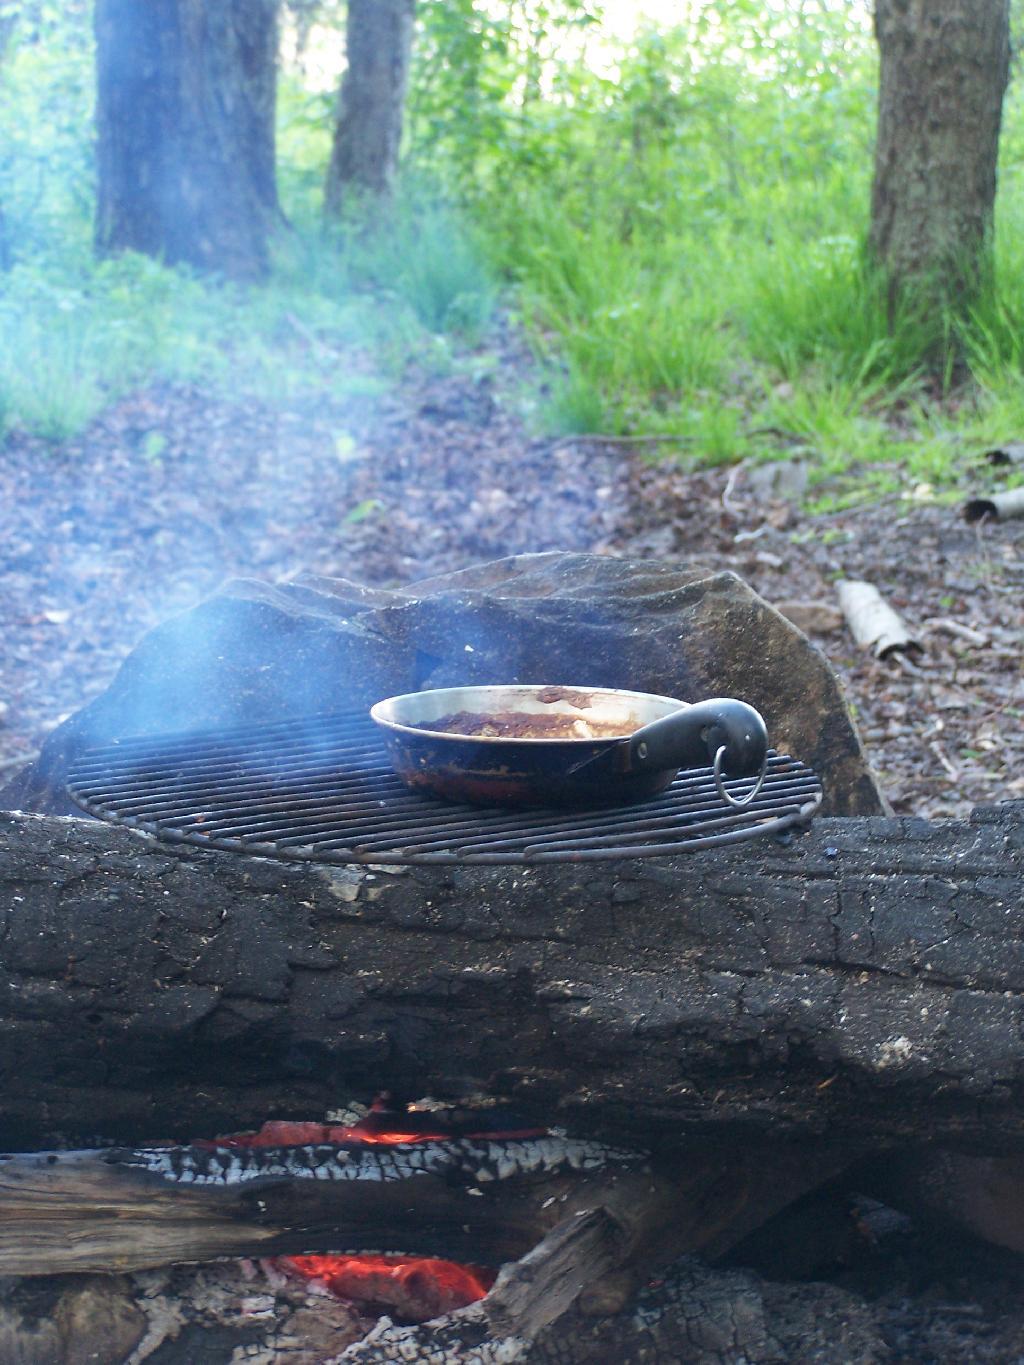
(426,258)
(572,404)
(75,334)
(712,279)
(691,326)
(684,245)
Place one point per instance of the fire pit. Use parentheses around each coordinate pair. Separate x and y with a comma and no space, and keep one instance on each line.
(722,1032)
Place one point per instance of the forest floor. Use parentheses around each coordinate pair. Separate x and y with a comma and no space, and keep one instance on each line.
(173,489)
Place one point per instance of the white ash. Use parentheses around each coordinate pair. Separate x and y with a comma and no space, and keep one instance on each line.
(286,1320)
(460,1338)
(477,1160)
(349,1115)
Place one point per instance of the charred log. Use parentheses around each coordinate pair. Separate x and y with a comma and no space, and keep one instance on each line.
(606,1219)
(483,1201)
(969,1311)
(868,978)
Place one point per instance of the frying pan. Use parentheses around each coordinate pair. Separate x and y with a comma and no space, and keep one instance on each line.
(570,746)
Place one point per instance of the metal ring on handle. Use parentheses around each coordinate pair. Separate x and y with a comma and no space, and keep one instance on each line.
(740,801)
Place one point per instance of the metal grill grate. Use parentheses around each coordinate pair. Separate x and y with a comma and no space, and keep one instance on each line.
(322,789)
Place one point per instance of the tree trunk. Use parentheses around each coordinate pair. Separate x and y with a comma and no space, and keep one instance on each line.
(944,68)
(371,100)
(185,125)
(8,22)
(869,979)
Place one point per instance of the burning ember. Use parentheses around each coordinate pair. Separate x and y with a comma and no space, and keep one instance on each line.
(409,1288)
(381,1124)
(404,1213)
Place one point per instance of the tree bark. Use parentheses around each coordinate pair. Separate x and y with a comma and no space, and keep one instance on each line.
(944,69)
(8,24)
(868,979)
(185,131)
(371,101)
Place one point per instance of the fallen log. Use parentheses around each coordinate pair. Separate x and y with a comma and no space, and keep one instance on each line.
(966,1308)
(580,1217)
(123,1209)
(485,1201)
(868,978)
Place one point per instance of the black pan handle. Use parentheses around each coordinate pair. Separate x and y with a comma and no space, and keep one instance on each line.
(692,736)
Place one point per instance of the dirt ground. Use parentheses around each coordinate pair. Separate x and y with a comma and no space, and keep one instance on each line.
(173,490)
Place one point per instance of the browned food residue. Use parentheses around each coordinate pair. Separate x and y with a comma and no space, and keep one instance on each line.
(522,725)
(573,695)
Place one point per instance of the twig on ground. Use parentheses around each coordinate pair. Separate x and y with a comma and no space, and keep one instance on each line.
(855,510)
(944,759)
(908,665)
(659,438)
(762,530)
(948,626)
(775,431)
(734,477)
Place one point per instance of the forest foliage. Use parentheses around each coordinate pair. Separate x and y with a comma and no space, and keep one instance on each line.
(677,218)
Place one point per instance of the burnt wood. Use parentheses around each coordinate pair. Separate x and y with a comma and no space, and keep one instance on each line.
(866,979)
(118,1210)
(690,1313)
(486,1201)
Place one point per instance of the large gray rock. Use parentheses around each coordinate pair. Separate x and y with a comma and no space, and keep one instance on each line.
(250,654)
(255,653)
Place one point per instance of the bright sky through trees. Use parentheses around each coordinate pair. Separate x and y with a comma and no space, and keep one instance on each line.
(623,17)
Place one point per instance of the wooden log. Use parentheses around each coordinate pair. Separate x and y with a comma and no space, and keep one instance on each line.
(873,623)
(1009,453)
(868,978)
(535,1290)
(483,1201)
(983,1195)
(124,1209)
(996,506)
(528,1296)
